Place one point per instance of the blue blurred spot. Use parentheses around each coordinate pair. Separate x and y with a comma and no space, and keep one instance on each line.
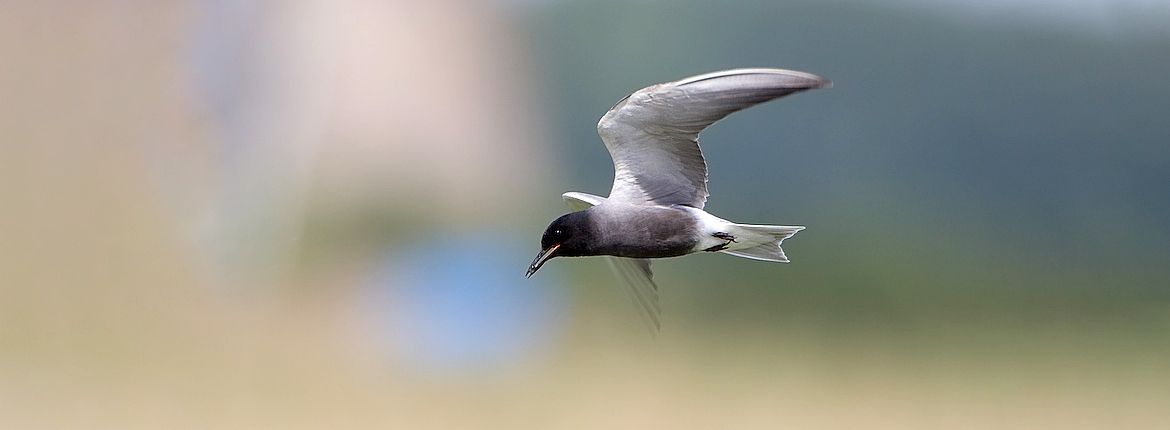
(462,303)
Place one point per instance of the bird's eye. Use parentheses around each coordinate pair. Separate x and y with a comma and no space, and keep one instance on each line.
(558,232)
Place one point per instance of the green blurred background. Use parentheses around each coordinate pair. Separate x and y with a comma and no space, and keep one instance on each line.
(260,214)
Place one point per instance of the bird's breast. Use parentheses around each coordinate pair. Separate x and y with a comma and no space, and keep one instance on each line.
(638,231)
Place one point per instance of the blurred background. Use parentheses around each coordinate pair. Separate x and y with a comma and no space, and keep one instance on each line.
(317,214)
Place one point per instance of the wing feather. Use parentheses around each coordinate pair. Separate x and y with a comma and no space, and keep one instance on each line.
(639,280)
(653,134)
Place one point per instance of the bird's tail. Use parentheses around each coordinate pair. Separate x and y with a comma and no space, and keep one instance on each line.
(760,242)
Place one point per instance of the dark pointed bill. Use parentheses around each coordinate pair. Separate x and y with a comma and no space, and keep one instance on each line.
(543,256)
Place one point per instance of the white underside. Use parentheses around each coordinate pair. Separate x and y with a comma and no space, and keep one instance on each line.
(711,224)
(757,242)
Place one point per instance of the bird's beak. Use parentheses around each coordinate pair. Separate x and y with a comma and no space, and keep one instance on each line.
(543,256)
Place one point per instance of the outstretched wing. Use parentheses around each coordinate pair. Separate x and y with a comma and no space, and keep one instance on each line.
(653,134)
(634,272)
(640,286)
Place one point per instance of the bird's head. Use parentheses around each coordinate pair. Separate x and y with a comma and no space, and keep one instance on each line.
(570,235)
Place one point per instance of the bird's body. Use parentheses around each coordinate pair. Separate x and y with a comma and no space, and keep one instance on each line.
(642,231)
(656,206)
(652,231)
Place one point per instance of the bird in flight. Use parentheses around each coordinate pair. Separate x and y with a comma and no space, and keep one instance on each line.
(655,208)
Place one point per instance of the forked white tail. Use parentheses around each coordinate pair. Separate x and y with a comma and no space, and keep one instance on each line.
(760,242)
(757,242)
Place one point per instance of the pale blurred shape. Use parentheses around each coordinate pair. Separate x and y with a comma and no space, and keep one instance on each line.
(335,107)
(457,306)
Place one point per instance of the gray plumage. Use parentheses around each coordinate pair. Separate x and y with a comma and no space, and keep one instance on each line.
(634,272)
(655,208)
(653,134)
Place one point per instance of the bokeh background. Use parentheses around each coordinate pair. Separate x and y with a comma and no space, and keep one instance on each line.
(317,214)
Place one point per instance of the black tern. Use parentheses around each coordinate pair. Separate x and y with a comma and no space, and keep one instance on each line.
(655,208)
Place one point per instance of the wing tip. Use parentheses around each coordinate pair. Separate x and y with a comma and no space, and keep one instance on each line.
(807,80)
(636,278)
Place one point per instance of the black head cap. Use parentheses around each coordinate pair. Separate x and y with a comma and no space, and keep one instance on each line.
(571,235)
